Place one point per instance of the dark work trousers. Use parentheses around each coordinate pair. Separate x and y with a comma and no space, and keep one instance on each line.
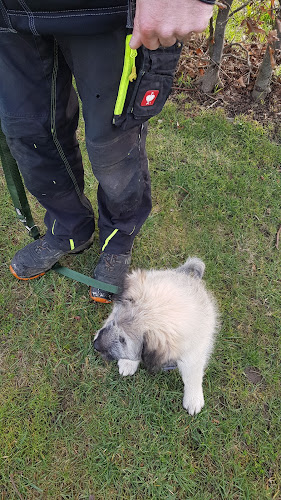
(39,116)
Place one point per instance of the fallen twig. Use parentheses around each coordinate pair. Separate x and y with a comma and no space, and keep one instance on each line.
(218,65)
(213,104)
(217,98)
(14,486)
(182,188)
(237,44)
(278,238)
(182,89)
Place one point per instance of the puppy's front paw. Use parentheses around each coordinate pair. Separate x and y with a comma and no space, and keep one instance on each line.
(127,367)
(193,403)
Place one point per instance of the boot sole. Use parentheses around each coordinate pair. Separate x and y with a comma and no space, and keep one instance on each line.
(79,250)
(100,300)
(25,279)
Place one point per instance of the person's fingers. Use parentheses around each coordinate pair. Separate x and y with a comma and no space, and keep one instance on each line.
(135,41)
(184,38)
(162,22)
(150,41)
(167,41)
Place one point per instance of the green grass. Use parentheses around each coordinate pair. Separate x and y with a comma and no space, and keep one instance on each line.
(70,427)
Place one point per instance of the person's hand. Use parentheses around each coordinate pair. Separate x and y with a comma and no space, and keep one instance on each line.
(163,22)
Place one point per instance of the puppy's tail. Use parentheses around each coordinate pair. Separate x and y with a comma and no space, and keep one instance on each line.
(193,266)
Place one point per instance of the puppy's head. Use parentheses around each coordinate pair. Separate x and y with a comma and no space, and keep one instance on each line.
(121,336)
(117,340)
(130,332)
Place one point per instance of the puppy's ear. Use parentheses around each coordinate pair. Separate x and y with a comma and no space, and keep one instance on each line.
(193,266)
(151,358)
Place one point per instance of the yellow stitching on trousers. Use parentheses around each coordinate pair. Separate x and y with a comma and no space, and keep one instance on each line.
(109,238)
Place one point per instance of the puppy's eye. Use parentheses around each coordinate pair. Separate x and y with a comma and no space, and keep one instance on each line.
(122,339)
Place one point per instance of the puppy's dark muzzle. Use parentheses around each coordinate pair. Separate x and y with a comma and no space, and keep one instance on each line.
(98,347)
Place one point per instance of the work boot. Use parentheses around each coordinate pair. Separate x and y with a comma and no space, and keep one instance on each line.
(38,257)
(110,269)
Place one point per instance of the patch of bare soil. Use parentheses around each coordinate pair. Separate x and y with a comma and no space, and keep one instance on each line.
(239,69)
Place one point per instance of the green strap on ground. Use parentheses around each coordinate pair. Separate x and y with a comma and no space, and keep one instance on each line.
(16,187)
(86,280)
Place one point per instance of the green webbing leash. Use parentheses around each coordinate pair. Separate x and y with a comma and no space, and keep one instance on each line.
(18,195)
(16,188)
(86,280)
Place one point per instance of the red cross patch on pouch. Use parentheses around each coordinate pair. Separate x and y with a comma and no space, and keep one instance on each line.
(149,98)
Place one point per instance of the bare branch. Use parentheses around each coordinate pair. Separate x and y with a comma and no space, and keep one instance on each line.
(245,50)
(240,8)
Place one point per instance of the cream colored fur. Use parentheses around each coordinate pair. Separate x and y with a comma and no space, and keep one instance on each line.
(164,316)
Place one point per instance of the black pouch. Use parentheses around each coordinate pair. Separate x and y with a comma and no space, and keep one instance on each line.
(148,94)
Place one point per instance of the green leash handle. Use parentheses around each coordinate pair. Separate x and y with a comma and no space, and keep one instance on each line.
(16,188)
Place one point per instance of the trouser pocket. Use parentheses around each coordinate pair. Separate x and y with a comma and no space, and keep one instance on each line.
(148,94)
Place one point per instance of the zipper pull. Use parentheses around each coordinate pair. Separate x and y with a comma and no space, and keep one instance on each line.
(133,75)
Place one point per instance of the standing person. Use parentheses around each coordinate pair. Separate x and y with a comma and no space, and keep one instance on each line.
(42,46)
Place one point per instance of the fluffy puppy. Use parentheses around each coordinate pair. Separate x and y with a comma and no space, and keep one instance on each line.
(163,317)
